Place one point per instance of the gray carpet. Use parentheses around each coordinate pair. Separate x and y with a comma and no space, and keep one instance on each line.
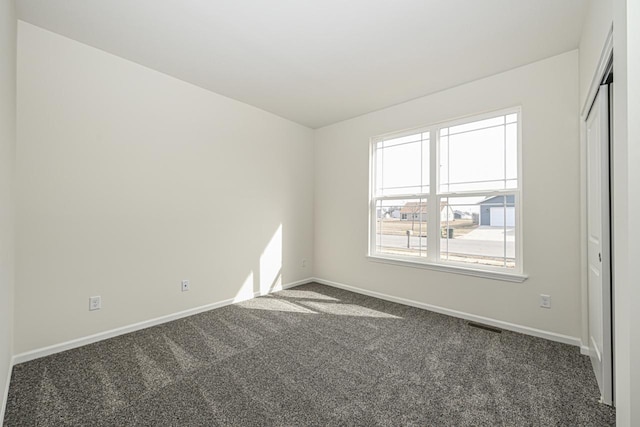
(311,355)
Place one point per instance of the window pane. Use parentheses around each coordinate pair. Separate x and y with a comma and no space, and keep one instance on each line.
(479,158)
(478,230)
(425,163)
(401,227)
(403,166)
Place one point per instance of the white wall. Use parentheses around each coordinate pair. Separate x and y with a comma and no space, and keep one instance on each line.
(130,180)
(548,93)
(7,165)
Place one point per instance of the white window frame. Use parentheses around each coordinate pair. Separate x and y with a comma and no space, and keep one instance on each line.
(432,260)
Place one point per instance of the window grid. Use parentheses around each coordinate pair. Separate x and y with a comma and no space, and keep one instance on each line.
(430,250)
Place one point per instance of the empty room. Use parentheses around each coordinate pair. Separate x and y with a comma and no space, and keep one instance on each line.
(318,213)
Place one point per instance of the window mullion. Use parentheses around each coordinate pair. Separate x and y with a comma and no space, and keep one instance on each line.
(433,216)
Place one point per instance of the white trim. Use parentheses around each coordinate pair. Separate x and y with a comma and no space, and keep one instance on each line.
(552,336)
(441,266)
(584,349)
(603,62)
(6,390)
(433,259)
(100,336)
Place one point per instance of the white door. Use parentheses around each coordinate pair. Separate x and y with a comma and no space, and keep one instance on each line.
(499,215)
(598,250)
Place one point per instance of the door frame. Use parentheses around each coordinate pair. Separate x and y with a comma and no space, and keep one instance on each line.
(602,72)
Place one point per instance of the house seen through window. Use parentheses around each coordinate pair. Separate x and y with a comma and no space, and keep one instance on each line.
(449,194)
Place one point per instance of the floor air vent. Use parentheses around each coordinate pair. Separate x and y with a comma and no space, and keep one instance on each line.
(485,327)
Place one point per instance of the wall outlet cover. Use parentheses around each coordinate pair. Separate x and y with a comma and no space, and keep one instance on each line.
(545,301)
(95,303)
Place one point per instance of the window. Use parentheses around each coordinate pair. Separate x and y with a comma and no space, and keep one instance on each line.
(448,195)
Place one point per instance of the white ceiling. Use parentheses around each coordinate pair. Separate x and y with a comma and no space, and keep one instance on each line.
(317,62)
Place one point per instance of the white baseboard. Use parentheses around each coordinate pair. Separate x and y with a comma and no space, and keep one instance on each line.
(552,336)
(79,342)
(584,349)
(5,396)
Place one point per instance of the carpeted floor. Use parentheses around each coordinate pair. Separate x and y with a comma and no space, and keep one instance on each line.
(311,355)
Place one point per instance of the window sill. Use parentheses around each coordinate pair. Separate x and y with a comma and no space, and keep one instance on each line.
(487,274)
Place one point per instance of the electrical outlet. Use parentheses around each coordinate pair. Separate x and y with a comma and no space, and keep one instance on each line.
(545,301)
(184,285)
(95,303)
(304,263)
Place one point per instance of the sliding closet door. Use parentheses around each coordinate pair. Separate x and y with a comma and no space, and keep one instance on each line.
(599,244)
